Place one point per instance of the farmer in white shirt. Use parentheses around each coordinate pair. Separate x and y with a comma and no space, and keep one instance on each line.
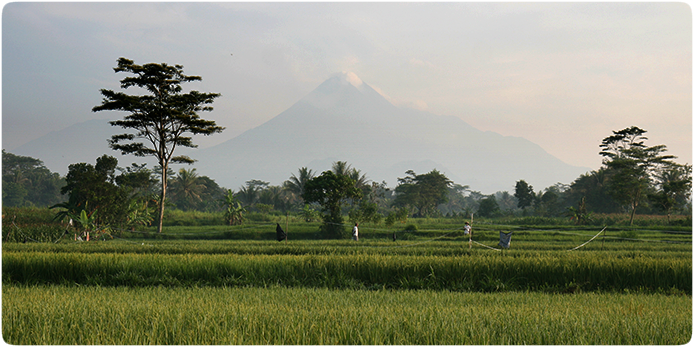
(355,232)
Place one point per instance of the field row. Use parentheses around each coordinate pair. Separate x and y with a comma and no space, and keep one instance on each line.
(423,242)
(281,316)
(476,271)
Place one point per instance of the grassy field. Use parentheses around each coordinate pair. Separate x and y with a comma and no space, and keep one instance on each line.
(472,271)
(92,315)
(237,285)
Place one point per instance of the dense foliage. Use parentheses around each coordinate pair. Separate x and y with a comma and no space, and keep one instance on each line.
(27,182)
(424,192)
(664,188)
(107,197)
(330,191)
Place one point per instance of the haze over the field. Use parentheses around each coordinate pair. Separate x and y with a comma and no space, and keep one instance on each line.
(562,75)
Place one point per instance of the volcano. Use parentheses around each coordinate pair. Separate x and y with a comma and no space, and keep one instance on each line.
(345,119)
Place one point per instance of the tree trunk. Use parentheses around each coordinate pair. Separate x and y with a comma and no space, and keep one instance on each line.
(162,197)
(633,211)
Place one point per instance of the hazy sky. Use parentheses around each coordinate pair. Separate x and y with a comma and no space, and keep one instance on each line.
(563,75)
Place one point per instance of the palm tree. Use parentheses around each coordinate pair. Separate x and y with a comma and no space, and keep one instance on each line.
(360,181)
(342,168)
(276,196)
(250,194)
(296,184)
(186,188)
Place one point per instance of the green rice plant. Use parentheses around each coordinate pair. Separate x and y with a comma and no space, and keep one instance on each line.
(27,215)
(239,240)
(68,315)
(30,224)
(192,218)
(475,271)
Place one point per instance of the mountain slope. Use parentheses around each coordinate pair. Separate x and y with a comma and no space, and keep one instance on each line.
(78,143)
(348,121)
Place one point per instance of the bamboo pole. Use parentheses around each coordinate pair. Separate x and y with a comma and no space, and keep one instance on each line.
(286,227)
(472,217)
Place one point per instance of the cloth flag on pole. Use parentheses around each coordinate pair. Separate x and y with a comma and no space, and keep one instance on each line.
(281,235)
(505,239)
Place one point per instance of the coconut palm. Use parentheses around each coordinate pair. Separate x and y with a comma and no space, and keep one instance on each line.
(250,194)
(186,189)
(342,168)
(275,196)
(295,185)
(360,181)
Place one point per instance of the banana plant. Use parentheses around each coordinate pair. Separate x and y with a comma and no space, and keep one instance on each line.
(68,210)
(138,214)
(85,223)
(581,215)
(234,209)
(86,220)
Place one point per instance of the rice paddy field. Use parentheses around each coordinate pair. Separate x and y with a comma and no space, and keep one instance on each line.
(237,285)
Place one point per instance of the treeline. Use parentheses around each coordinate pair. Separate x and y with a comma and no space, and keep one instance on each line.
(634,179)
(27,182)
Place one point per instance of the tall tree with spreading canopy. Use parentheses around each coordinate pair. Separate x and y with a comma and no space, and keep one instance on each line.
(631,165)
(330,190)
(425,191)
(163,119)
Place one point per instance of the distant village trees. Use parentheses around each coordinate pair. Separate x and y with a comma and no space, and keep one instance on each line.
(633,168)
(424,192)
(524,194)
(27,182)
(635,178)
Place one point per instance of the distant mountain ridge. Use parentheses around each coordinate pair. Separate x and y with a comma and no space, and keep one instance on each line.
(352,122)
(343,119)
(78,143)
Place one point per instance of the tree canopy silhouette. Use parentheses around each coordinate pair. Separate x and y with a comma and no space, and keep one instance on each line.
(163,119)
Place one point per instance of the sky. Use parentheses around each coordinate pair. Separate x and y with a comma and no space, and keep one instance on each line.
(562,75)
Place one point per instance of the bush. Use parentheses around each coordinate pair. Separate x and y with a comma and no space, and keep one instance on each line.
(410,227)
(258,217)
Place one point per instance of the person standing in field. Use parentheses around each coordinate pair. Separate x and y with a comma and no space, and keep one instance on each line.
(355,232)
(468,229)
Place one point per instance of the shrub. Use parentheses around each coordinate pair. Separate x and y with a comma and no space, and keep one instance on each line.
(410,227)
